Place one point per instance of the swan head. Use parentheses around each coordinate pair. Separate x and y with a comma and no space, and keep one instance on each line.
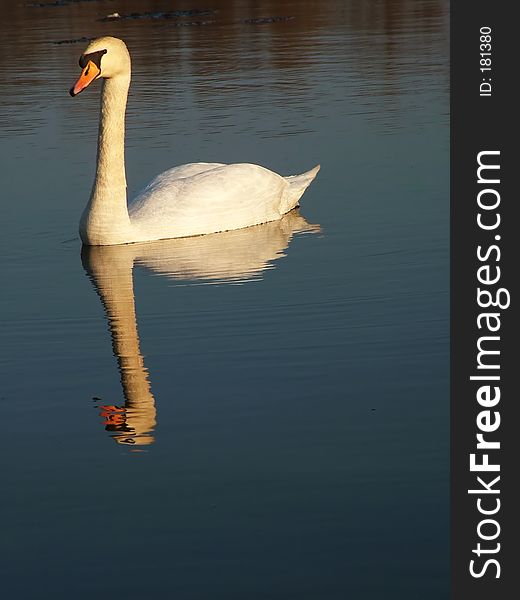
(105,57)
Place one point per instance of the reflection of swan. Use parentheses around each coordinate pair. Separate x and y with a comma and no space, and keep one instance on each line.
(221,257)
(189,200)
(112,276)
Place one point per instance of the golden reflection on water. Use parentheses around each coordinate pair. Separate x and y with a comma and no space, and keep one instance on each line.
(39,41)
(229,257)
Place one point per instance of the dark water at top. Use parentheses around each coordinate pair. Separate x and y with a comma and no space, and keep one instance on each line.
(257,415)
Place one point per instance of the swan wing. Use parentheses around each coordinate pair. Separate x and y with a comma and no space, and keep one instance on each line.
(179,172)
(207,198)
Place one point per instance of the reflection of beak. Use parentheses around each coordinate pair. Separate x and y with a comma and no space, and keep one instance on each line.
(89,73)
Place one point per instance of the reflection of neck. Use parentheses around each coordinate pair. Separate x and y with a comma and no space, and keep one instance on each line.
(111,271)
(105,219)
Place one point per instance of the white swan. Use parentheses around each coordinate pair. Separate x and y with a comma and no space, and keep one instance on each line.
(189,200)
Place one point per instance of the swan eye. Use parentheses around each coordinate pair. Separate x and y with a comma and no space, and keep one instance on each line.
(94,57)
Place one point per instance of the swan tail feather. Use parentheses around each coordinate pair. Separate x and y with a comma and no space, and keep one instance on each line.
(297,185)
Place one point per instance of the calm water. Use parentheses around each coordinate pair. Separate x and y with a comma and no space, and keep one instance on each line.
(257,415)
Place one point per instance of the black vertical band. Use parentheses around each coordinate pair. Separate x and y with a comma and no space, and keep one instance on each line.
(485,243)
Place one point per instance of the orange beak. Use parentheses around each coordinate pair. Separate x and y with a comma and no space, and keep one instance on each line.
(89,73)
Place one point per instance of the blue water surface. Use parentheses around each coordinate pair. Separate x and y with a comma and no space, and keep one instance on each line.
(262,416)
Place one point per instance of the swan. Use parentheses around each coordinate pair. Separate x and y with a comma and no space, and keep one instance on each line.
(192,199)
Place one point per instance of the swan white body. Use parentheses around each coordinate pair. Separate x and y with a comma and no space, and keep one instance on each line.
(192,199)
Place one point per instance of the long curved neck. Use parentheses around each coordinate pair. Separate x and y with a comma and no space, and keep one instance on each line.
(105,219)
